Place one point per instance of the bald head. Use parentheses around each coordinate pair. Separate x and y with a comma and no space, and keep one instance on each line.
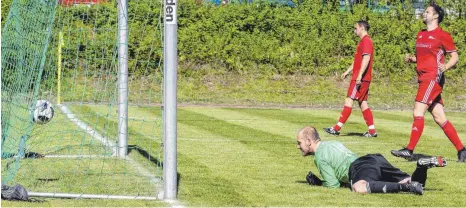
(309,133)
(308,140)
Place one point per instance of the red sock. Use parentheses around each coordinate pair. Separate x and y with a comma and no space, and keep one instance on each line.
(451,133)
(343,117)
(416,132)
(367,114)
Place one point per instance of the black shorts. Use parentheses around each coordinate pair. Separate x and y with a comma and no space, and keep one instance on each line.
(374,167)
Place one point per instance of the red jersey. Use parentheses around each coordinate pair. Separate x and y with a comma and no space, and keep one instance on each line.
(365,47)
(431,47)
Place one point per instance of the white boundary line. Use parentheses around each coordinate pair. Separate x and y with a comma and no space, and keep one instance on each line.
(88,129)
(105,141)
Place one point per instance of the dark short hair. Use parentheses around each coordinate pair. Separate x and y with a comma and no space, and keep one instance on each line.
(364,23)
(438,10)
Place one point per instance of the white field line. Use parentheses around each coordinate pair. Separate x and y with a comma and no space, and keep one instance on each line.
(89,196)
(74,156)
(88,129)
(106,142)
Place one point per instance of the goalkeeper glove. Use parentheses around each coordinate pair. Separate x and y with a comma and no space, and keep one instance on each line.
(313,179)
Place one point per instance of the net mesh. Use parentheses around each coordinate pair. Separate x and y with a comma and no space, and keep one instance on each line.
(66,52)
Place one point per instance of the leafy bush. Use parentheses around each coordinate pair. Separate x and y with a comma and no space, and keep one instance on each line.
(263,38)
(308,38)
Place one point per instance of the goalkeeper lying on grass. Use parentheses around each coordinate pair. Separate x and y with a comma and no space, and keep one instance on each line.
(371,173)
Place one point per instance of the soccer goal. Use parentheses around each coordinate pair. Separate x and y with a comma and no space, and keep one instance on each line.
(100,64)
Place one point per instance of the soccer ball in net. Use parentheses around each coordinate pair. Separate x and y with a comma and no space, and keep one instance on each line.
(43,112)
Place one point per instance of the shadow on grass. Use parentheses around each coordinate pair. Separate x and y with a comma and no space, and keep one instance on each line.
(433,189)
(146,155)
(416,157)
(154,160)
(353,134)
(303,182)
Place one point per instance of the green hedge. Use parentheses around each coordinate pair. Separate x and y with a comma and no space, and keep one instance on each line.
(269,39)
(306,39)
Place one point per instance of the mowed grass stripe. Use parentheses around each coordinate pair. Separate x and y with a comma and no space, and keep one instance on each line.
(202,167)
(145,143)
(300,196)
(197,178)
(429,121)
(203,186)
(276,172)
(316,119)
(280,122)
(282,168)
(224,129)
(395,128)
(255,168)
(274,126)
(254,139)
(249,172)
(433,140)
(258,145)
(319,121)
(390,138)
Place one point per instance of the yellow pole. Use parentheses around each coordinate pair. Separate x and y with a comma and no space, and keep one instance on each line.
(60,44)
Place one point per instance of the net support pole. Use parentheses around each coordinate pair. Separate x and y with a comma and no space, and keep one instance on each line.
(122,78)
(170,67)
(60,45)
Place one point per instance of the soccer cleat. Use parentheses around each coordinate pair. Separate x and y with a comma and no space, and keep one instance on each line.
(404,153)
(430,162)
(415,188)
(367,134)
(462,155)
(332,131)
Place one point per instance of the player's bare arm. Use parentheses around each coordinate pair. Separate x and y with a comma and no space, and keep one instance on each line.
(365,62)
(343,76)
(451,62)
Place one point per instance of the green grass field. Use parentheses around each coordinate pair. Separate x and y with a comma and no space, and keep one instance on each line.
(248,157)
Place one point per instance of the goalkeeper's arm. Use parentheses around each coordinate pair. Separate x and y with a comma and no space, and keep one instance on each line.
(312,179)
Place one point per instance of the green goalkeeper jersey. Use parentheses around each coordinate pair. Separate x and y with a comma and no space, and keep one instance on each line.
(333,160)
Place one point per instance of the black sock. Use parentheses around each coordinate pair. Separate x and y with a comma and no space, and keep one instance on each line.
(383,187)
(420,175)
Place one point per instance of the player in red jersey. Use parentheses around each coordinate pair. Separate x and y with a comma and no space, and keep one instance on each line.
(431,46)
(360,81)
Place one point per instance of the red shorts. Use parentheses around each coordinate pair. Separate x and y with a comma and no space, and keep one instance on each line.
(429,92)
(358,92)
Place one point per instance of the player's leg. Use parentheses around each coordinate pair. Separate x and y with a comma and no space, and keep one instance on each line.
(346,112)
(366,111)
(416,131)
(440,118)
(426,94)
(366,175)
(418,124)
(420,174)
(365,187)
(389,172)
(369,118)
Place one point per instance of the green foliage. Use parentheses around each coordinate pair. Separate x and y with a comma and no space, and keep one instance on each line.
(261,38)
(309,38)
(244,39)
(90,38)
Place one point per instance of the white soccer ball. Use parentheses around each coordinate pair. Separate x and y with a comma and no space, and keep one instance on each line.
(43,112)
